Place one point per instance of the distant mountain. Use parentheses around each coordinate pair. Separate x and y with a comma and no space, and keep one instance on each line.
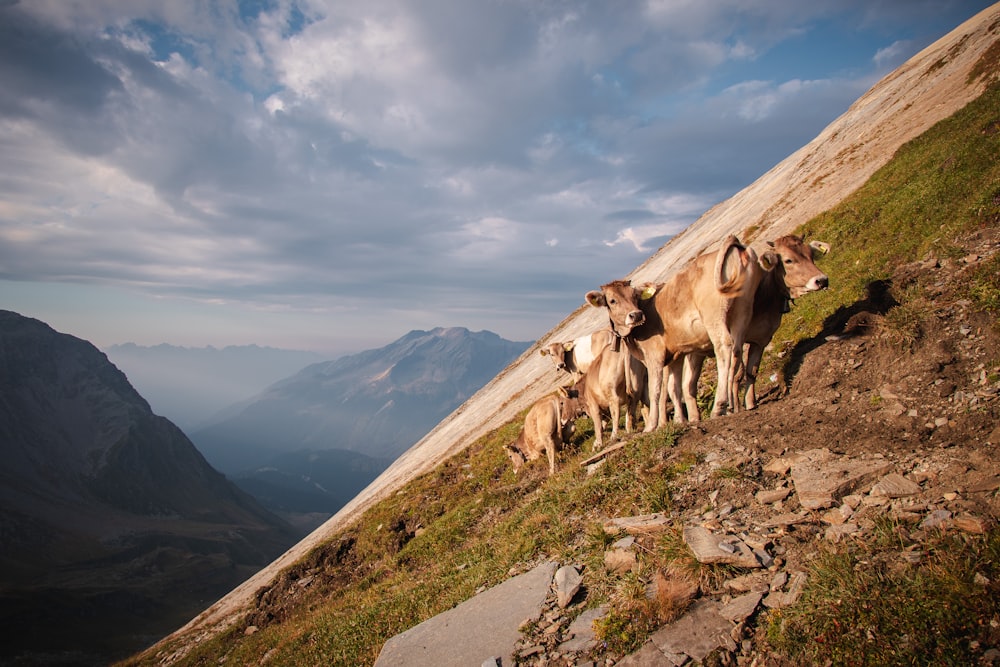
(114,527)
(188,385)
(377,403)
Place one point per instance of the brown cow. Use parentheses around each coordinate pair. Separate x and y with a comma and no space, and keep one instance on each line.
(793,273)
(616,379)
(548,424)
(575,356)
(709,302)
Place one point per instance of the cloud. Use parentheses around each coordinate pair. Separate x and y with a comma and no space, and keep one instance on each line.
(487,161)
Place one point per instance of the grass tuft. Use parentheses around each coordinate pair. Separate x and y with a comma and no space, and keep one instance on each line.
(868,606)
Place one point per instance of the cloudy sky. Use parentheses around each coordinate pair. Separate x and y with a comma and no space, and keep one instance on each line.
(328,175)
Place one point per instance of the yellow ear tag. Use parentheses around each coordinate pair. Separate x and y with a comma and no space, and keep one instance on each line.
(647,292)
(765,261)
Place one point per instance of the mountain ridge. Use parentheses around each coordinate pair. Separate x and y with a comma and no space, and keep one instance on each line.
(94,489)
(377,402)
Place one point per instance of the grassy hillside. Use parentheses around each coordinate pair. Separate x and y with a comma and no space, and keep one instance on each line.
(471,523)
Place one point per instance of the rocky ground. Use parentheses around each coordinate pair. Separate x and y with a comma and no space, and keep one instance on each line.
(891,412)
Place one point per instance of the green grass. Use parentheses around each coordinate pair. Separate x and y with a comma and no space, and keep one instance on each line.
(466,525)
(869,606)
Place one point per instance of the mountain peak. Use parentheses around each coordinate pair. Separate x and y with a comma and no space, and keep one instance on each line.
(377,402)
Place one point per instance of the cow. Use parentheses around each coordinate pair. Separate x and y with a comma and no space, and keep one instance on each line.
(795,273)
(548,425)
(575,356)
(614,380)
(709,302)
(792,273)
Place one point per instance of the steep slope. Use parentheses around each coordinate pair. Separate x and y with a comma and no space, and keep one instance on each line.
(931,86)
(106,510)
(378,402)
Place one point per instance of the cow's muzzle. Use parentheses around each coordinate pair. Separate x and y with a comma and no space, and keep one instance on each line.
(820,282)
(635,318)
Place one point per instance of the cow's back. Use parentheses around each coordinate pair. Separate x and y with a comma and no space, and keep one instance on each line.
(541,425)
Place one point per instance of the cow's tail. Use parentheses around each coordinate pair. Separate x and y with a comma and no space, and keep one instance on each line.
(734,266)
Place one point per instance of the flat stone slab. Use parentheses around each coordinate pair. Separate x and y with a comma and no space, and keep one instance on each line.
(650,656)
(711,548)
(895,485)
(696,634)
(785,520)
(638,525)
(483,627)
(821,477)
(582,636)
(739,609)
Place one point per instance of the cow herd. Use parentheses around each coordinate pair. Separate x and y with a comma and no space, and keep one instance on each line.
(726,303)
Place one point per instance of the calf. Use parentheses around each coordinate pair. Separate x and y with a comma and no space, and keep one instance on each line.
(615,379)
(548,424)
(706,304)
(575,356)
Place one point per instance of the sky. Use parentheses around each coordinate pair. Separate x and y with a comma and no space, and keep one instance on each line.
(330,175)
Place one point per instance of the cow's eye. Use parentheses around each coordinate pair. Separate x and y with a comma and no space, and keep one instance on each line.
(788,260)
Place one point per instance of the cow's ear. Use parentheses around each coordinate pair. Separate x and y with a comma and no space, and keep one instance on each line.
(544,352)
(569,345)
(647,292)
(820,247)
(564,392)
(769,260)
(596,299)
(770,243)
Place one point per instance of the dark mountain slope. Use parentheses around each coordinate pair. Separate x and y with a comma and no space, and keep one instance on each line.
(111,520)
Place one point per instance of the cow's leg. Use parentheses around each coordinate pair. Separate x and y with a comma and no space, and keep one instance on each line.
(724,361)
(674,389)
(736,374)
(632,402)
(751,367)
(550,450)
(594,412)
(615,408)
(655,369)
(692,373)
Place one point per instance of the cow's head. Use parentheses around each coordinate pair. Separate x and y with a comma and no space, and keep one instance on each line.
(570,405)
(794,259)
(558,353)
(516,457)
(622,302)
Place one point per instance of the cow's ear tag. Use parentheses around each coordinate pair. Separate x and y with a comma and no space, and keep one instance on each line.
(823,248)
(647,292)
